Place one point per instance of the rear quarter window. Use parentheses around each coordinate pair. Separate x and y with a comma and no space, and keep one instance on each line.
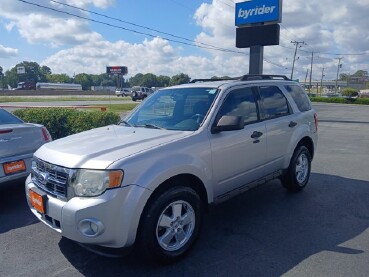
(300,97)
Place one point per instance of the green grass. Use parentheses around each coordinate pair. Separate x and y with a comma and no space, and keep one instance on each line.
(113,107)
(4,99)
(119,108)
(341,100)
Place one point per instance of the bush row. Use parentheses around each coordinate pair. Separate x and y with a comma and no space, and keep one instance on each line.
(341,100)
(62,122)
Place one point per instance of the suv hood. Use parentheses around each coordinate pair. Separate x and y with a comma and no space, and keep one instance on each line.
(98,148)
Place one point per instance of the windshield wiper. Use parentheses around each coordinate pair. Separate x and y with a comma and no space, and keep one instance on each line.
(126,123)
(150,126)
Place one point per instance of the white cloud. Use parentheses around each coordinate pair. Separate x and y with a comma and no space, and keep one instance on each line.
(327,27)
(44,26)
(84,3)
(6,52)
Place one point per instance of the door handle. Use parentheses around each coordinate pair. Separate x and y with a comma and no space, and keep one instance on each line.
(256,134)
(292,124)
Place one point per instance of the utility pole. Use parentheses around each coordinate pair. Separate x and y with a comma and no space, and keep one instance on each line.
(311,71)
(338,70)
(321,82)
(306,76)
(296,43)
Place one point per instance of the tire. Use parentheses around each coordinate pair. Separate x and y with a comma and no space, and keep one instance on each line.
(298,173)
(170,225)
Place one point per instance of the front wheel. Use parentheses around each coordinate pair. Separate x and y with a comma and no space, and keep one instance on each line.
(297,175)
(170,225)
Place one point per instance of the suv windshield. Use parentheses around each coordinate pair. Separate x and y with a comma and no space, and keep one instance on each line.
(174,109)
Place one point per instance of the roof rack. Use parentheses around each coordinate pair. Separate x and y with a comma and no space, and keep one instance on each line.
(250,77)
(213,80)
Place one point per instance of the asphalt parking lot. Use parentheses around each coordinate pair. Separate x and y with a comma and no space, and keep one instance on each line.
(322,231)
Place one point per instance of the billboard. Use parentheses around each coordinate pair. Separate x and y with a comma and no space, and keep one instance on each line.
(258,11)
(257,35)
(116,70)
(21,70)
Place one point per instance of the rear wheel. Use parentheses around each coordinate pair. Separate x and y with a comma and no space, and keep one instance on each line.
(298,173)
(170,225)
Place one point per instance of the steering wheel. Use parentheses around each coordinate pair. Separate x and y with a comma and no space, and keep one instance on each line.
(198,118)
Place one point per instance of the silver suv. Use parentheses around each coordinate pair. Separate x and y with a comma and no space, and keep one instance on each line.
(147,181)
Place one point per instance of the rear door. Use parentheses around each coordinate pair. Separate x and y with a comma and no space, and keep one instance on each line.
(280,124)
(238,156)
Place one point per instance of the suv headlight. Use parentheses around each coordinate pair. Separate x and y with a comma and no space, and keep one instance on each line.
(90,182)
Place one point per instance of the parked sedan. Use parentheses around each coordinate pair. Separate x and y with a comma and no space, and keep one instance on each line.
(18,142)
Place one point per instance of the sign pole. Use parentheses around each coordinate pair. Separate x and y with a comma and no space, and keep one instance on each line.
(256,60)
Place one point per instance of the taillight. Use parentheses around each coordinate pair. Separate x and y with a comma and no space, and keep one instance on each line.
(6,131)
(46,134)
(316,121)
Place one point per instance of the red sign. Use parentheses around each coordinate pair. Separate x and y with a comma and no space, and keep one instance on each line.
(117,70)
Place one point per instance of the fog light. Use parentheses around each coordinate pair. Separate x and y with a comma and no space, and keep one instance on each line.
(91,227)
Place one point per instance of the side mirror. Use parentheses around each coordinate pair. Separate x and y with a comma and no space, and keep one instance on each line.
(228,123)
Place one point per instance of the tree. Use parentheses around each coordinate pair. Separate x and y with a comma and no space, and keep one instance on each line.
(149,80)
(45,70)
(84,79)
(179,79)
(33,72)
(58,78)
(360,73)
(344,77)
(107,83)
(163,81)
(136,80)
(1,77)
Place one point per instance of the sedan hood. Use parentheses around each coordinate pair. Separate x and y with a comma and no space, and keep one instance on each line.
(98,148)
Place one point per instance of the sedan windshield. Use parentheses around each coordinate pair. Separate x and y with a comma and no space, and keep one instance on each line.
(173,109)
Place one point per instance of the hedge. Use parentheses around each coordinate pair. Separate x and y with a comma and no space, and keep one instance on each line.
(341,100)
(62,122)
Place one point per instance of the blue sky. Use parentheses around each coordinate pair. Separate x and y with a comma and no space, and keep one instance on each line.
(72,45)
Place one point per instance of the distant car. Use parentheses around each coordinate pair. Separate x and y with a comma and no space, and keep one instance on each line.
(122,92)
(140,93)
(18,142)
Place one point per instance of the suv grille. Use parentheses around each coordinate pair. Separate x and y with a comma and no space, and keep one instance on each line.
(50,178)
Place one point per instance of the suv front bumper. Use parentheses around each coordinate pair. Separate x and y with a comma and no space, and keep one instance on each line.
(108,220)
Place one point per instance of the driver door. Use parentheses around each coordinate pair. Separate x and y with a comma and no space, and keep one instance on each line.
(239,156)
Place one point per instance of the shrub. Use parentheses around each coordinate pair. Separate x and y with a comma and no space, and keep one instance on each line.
(63,122)
(341,100)
(350,92)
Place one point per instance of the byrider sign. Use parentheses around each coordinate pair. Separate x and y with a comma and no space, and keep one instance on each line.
(258,11)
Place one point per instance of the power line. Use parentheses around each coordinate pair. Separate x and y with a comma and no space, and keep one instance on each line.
(123,21)
(193,43)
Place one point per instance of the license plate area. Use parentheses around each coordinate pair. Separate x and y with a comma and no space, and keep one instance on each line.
(14,167)
(38,200)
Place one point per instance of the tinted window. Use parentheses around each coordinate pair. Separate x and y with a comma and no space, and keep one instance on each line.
(274,102)
(240,102)
(8,118)
(299,96)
